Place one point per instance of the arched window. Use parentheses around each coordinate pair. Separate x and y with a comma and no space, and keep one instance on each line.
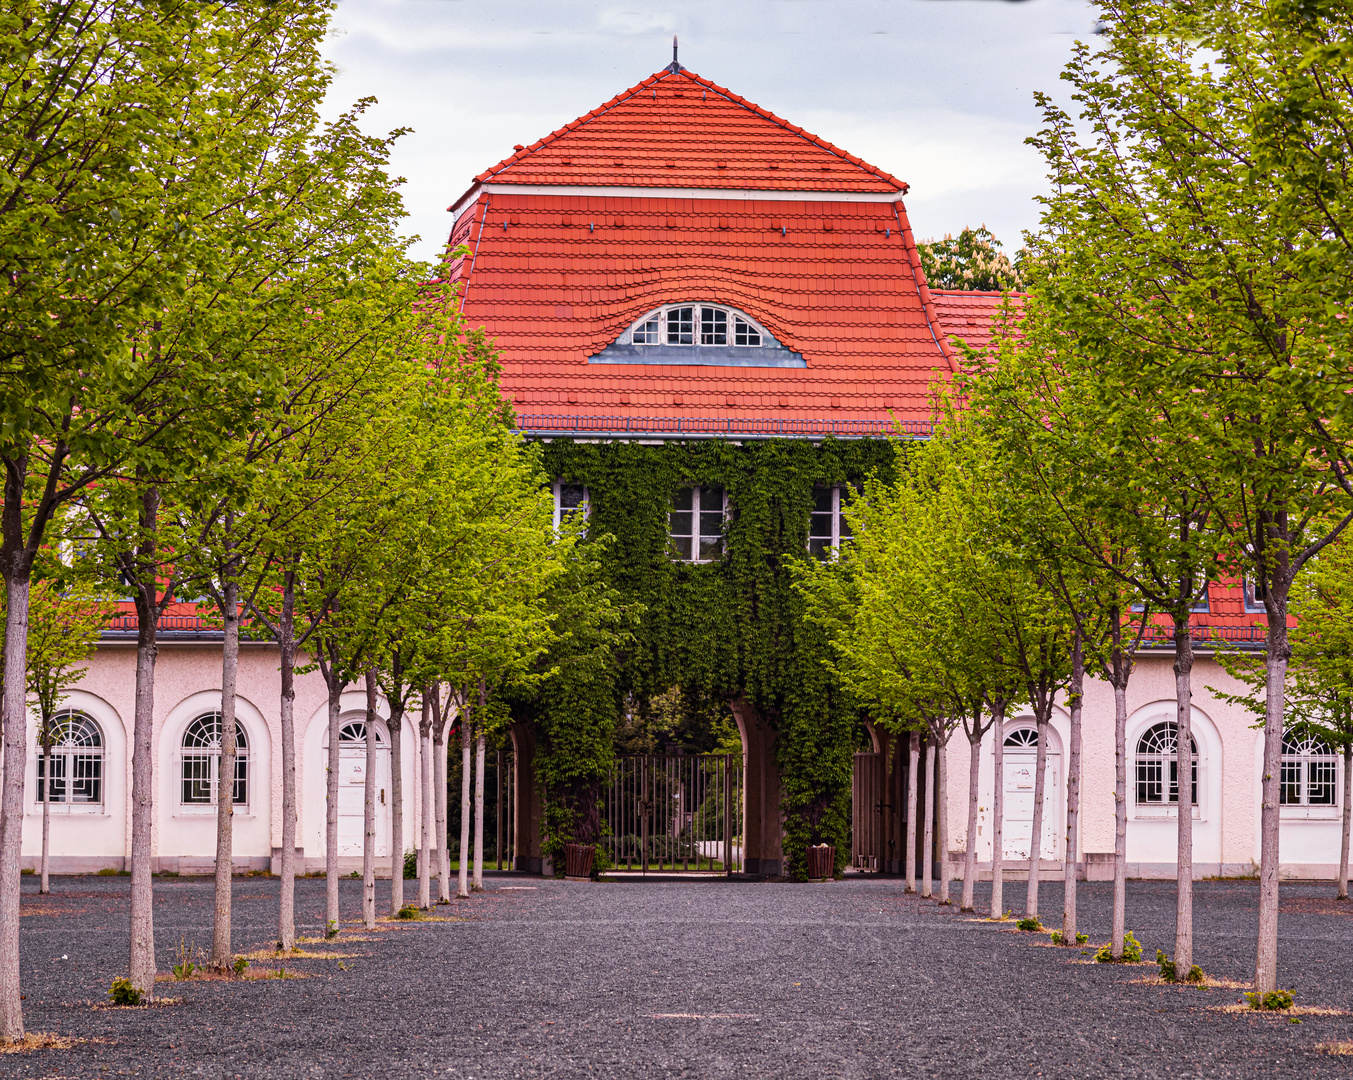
(703,324)
(353,733)
(77,761)
(202,762)
(1158,766)
(1309,771)
(1023,738)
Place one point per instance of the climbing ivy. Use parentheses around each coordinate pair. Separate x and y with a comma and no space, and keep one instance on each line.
(724,630)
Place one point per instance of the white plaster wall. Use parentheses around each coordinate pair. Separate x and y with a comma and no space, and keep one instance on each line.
(1226,829)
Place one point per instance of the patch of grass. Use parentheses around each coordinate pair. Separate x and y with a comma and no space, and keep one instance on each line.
(240,966)
(39,1040)
(108,871)
(1342,1048)
(122,992)
(411,913)
(1058,938)
(1274,1000)
(1029,924)
(28,872)
(1132,951)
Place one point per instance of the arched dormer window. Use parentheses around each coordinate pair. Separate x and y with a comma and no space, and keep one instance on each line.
(705,334)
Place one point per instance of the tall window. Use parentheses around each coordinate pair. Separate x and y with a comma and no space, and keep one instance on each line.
(828,528)
(201,769)
(1309,772)
(77,761)
(571,502)
(1254,597)
(696,524)
(1158,766)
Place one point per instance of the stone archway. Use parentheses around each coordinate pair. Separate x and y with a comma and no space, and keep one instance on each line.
(763,821)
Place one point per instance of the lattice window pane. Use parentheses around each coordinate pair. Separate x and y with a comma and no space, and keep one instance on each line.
(197,779)
(681,520)
(1320,783)
(59,789)
(681,326)
(86,773)
(713,326)
(744,333)
(648,332)
(711,523)
(1150,780)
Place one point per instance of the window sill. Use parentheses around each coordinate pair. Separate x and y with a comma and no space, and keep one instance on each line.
(72,810)
(207,812)
(1162,813)
(1309,813)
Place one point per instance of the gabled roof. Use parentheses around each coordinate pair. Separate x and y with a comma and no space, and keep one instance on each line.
(677,130)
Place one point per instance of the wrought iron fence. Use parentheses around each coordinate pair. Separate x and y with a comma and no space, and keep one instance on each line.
(675,812)
(507,810)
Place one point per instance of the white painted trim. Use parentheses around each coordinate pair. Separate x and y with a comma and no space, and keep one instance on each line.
(723,194)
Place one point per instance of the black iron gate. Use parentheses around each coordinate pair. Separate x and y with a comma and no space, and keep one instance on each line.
(675,812)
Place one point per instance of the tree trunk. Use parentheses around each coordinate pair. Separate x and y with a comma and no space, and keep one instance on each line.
(1342,893)
(477,885)
(396,805)
(1036,835)
(222,953)
(913,775)
(463,882)
(11,802)
(425,805)
(1183,689)
(997,816)
(942,814)
(334,683)
(286,910)
(928,837)
(1073,794)
(1277,653)
(970,852)
(46,885)
(369,808)
(1120,780)
(142,961)
(439,780)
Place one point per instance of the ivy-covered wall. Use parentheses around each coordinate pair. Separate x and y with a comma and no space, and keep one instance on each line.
(729,629)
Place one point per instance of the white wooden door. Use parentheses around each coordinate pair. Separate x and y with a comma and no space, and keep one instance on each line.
(1018,824)
(352,793)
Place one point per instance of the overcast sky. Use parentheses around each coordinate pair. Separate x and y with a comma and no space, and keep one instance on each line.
(937,92)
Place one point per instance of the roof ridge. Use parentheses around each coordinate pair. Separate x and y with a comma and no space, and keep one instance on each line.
(666,73)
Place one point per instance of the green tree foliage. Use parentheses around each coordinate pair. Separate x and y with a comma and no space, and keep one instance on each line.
(1185,249)
(972,261)
(732,630)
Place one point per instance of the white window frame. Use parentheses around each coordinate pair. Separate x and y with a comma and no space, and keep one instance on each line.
(559,508)
(1166,807)
(840,528)
(698,495)
(67,753)
(732,316)
(1303,760)
(212,756)
(1253,604)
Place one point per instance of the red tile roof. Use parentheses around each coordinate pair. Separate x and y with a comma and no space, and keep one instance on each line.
(677,130)
(555,279)
(969,317)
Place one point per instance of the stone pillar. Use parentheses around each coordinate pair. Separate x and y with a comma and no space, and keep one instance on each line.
(527,802)
(763,823)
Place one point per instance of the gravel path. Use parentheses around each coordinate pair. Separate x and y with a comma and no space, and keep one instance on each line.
(707,979)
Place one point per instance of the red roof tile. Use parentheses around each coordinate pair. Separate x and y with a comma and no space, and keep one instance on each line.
(969,317)
(557,279)
(677,130)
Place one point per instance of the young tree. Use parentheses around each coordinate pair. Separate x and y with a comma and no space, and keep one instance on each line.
(1213,301)
(970,261)
(64,624)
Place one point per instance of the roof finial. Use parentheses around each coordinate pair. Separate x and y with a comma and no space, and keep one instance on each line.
(675,66)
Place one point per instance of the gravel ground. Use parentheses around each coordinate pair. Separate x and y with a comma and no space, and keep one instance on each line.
(692,979)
